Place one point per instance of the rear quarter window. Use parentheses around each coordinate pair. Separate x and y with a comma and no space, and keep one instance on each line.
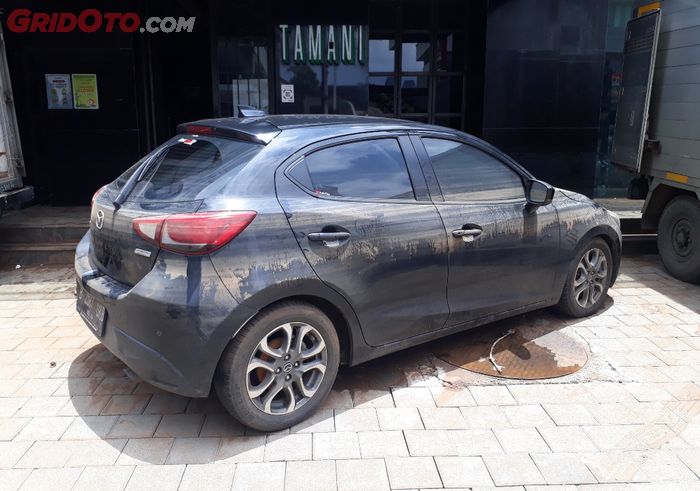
(373,169)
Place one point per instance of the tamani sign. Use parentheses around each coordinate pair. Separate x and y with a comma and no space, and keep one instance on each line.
(321,45)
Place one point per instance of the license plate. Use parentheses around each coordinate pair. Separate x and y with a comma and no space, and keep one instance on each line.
(93,312)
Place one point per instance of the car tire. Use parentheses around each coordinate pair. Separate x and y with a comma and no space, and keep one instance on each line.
(679,238)
(266,379)
(588,279)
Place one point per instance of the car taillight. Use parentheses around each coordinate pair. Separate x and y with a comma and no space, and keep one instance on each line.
(94,196)
(193,233)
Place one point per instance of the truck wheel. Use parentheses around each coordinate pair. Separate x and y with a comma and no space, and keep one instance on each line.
(280,367)
(679,238)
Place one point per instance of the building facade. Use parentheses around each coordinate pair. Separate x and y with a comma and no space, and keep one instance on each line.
(537,78)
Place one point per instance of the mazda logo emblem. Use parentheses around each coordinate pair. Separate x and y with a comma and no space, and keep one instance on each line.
(100,219)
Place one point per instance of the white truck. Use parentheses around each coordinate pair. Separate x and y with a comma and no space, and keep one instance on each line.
(657,128)
(12,192)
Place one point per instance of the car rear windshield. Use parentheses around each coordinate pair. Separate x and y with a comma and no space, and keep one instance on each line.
(184,167)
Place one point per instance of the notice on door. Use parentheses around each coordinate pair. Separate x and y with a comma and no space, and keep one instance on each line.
(58,91)
(288,93)
(85,91)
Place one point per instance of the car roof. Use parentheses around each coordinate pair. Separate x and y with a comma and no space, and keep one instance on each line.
(264,128)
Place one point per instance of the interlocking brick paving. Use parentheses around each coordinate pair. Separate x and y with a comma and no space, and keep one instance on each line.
(71,419)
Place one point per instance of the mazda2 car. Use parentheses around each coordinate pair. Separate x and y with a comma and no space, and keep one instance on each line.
(254,256)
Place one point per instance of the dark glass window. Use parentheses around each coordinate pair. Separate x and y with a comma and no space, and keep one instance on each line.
(449,55)
(243,74)
(451,13)
(414,94)
(466,173)
(448,94)
(416,14)
(381,55)
(369,169)
(454,122)
(184,167)
(415,53)
(384,15)
(381,95)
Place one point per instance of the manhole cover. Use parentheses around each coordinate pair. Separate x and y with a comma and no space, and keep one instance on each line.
(522,352)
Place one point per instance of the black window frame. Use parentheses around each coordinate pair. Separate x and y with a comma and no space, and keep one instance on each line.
(411,161)
(433,184)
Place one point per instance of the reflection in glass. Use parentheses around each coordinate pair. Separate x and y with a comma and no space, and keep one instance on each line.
(466,173)
(414,94)
(454,122)
(420,119)
(449,55)
(324,89)
(448,94)
(369,169)
(243,74)
(415,53)
(381,96)
(381,55)
(610,180)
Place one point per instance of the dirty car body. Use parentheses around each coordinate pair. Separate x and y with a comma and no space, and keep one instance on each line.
(389,270)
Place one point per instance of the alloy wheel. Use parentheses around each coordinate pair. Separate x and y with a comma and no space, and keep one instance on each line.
(590,278)
(286,368)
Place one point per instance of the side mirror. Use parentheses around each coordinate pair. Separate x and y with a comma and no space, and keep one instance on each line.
(538,194)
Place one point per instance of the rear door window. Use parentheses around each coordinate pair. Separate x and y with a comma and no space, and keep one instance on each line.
(370,169)
(184,167)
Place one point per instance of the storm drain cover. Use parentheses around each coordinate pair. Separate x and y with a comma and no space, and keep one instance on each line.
(515,351)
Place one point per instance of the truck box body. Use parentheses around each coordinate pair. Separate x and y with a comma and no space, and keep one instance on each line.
(674,112)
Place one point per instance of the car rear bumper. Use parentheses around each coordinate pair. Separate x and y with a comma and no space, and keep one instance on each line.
(172,326)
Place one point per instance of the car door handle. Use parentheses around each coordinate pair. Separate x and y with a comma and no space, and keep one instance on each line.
(328,236)
(466,232)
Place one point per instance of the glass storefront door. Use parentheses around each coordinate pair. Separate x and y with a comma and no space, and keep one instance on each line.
(420,60)
(417,60)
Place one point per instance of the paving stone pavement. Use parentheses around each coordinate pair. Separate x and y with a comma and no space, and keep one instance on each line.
(71,419)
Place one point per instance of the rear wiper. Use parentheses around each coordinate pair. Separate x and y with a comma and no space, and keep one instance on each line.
(135,178)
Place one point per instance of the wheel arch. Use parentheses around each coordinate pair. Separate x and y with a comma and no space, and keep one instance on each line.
(336,316)
(657,200)
(616,251)
(609,235)
(313,292)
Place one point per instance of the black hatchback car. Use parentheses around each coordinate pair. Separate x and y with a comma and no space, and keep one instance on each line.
(256,255)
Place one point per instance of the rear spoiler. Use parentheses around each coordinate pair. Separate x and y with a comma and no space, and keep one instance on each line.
(256,130)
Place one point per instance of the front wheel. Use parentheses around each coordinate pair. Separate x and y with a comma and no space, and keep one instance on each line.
(679,238)
(280,367)
(588,280)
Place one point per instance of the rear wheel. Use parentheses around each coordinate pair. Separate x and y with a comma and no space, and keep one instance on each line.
(280,367)
(679,238)
(588,280)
